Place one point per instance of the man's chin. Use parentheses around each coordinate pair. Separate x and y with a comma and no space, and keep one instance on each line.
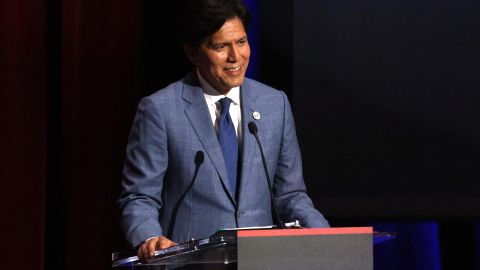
(225,86)
(235,83)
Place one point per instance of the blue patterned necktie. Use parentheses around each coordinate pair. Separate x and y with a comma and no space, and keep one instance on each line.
(228,142)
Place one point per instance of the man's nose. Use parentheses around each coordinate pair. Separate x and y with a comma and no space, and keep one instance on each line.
(233,53)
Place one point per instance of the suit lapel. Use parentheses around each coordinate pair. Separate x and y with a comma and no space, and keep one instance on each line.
(249,145)
(199,116)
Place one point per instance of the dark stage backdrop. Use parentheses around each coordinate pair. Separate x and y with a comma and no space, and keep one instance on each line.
(386,97)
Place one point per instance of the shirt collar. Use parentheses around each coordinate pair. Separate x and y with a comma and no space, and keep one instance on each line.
(212,95)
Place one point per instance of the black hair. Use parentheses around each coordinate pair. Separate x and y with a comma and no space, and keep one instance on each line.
(202,18)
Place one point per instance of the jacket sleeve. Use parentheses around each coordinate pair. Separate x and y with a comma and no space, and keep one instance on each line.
(143,175)
(289,187)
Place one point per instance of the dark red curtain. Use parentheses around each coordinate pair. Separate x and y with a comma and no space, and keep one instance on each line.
(23,133)
(100,43)
(69,87)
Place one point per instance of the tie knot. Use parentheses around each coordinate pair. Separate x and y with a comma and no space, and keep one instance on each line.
(225,105)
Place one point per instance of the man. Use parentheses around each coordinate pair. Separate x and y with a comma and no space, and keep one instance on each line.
(192,165)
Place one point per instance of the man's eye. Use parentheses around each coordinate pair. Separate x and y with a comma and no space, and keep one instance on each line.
(219,47)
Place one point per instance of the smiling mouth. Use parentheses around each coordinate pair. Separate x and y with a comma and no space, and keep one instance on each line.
(233,69)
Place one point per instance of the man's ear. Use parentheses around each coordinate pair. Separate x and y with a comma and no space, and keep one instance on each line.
(191,53)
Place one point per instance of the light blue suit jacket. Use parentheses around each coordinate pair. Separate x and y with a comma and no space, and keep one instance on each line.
(160,194)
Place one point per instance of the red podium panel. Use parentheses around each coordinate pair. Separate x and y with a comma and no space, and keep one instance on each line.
(325,248)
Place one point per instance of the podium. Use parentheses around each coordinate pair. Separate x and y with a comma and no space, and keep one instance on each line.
(322,248)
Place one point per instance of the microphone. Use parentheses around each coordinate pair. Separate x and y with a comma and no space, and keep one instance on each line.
(254,130)
(198,160)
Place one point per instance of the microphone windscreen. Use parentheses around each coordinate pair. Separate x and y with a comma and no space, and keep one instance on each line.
(252,127)
(199,157)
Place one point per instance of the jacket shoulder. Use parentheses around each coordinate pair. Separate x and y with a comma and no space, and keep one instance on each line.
(260,87)
(261,92)
(171,90)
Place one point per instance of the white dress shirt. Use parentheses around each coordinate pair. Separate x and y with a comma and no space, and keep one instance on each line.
(212,97)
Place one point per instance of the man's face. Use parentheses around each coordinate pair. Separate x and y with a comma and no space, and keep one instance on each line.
(223,59)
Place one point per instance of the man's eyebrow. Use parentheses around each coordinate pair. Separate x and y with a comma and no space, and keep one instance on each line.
(211,43)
